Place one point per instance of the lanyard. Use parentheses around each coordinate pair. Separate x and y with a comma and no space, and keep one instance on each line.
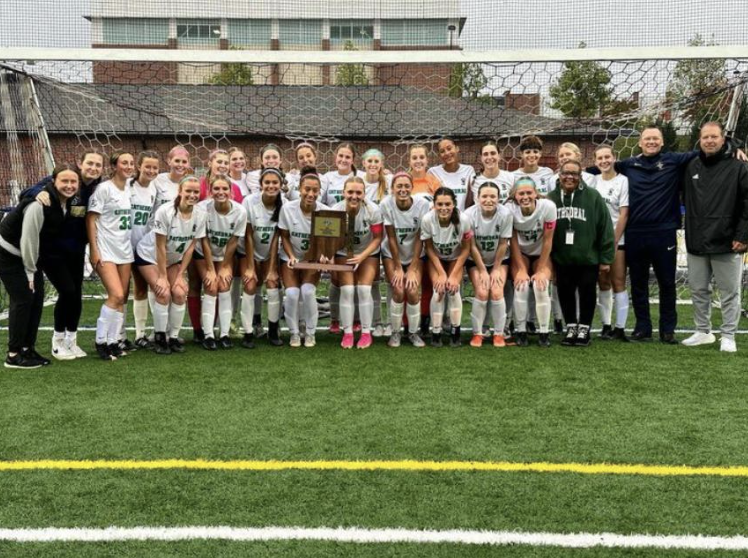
(571,205)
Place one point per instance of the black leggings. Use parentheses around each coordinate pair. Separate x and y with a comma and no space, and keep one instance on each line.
(26,305)
(577,279)
(65,272)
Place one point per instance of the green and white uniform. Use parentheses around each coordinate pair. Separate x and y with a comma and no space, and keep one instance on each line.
(446,240)
(407,225)
(488,232)
(179,233)
(114,226)
(221,228)
(299,227)
(263,227)
(458,181)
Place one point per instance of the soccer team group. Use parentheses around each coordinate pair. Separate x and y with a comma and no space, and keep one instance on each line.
(535,244)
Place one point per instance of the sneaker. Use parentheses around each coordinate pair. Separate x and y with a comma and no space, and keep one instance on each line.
(387,330)
(436,339)
(21,361)
(72,345)
(606,334)
(334,327)
(394,341)
(116,351)
(248,341)
(531,330)
(570,339)
(295,340)
(727,345)
(699,338)
(476,340)
(347,342)
(225,343)
(668,339)
(522,339)
(365,341)
(378,331)
(309,341)
(356,327)
(209,344)
(143,343)
(102,349)
(640,337)
(416,340)
(618,334)
(176,345)
(499,341)
(558,326)
(544,340)
(583,337)
(33,355)
(160,344)
(60,350)
(127,346)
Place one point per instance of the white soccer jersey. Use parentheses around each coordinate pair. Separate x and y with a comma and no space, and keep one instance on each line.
(293,180)
(372,189)
(251,183)
(179,233)
(542,177)
(333,184)
(531,228)
(166,190)
(263,227)
(457,181)
(615,192)
(141,202)
(488,231)
(407,225)
(114,226)
(299,227)
(446,240)
(367,216)
(587,178)
(505,181)
(221,228)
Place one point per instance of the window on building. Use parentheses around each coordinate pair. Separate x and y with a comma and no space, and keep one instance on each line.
(426,32)
(351,30)
(255,32)
(198,30)
(135,31)
(300,31)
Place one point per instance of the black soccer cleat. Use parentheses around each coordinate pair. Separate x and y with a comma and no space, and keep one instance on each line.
(209,344)
(521,339)
(583,336)
(618,334)
(225,343)
(606,334)
(274,334)
(176,345)
(102,349)
(570,339)
(544,340)
(248,341)
(160,344)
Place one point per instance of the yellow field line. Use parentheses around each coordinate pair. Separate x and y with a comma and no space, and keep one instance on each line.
(408,465)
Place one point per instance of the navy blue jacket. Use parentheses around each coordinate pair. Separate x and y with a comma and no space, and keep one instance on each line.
(73,237)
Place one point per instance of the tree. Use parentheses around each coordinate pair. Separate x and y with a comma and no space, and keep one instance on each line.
(467,80)
(349,75)
(583,89)
(234,73)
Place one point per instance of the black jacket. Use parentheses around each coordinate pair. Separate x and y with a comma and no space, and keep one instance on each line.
(716,198)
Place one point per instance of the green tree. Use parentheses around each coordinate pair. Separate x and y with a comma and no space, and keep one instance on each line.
(233,74)
(583,89)
(467,80)
(349,75)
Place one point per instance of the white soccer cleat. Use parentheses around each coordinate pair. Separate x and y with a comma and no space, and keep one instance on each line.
(727,345)
(295,340)
(60,350)
(309,341)
(699,338)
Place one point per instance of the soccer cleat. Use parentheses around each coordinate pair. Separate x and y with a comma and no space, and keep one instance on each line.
(668,339)
(209,344)
(356,327)
(365,341)
(248,341)
(727,345)
(476,340)
(606,334)
(295,340)
(570,339)
(198,336)
(60,351)
(22,362)
(347,342)
(143,343)
(160,344)
(544,340)
(436,339)
(521,337)
(387,330)
(499,341)
(274,334)
(309,341)
(394,340)
(455,339)
(225,343)
(116,351)
(699,338)
(127,346)
(640,337)
(416,340)
(102,349)
(618,334)
(583,336)
(558,326)
(176,345)
(334,327)
(378,331)
(425,325)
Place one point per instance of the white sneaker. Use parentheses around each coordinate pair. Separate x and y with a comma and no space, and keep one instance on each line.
(60,350)
(295,340)
(74,349)
(727,345)
(699,338)
(378,331)
(388,330)
(309,341)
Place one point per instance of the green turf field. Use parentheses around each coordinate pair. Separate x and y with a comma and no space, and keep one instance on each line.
(611,403)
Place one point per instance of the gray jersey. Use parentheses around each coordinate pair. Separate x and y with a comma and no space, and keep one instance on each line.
(407,225)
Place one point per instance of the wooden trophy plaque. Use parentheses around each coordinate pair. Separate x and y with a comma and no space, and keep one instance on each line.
(331,231)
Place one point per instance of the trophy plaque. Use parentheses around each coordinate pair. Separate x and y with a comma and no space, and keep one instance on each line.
(331,231)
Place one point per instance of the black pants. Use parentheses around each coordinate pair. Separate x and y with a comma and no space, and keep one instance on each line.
(657,250)
(65,272)
(25,305)
(573,280)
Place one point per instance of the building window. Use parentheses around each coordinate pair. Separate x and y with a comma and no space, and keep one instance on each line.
(198,30)
(135,31)
(351,30)
(255,32)
(426,32)
(300,31)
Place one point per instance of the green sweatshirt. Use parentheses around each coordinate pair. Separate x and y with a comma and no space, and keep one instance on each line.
(587,215)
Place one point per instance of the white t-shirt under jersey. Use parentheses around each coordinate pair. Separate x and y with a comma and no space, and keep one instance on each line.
(368,215)
(531,228)
(505,181)
(542,177)
(407,225)
(221,228)
(114,226)
(446,240)
(333,184)
(457,181)
(263,227)
(299,227)
(141,204)
(179,233)
(488,231)
(615,192)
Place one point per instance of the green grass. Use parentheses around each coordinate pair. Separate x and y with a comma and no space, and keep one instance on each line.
(610,403)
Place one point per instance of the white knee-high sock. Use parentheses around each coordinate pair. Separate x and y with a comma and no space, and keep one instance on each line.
(556,302)
(208,315)
(114,335)
(334,297)
(291,308)
(455,309)
(122,331)
(309,307)
(396,316)
(160,317)
(605,306)
(140,313)
(237,289)
(437,313)
(414,317)
(478,315)
(248,310)
(347,295)
(274,305)
(106,316)
(520,308)
(622,308)
(376,300)
(365,307)
(542,308)
(498,316)
(176,317)
(225,312)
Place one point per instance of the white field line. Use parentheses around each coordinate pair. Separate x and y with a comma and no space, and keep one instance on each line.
(387,536)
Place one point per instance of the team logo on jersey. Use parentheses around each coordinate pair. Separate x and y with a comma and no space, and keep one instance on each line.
(695,176)
(194,227)
(415,221)
(660,165)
